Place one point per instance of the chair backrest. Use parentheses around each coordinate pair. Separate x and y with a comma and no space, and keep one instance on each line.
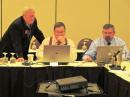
(37,44)
(84,43)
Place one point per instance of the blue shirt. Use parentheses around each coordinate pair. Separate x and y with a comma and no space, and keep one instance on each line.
(92,51)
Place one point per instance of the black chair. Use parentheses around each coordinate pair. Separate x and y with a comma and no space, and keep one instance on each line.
(36,43)
(83,44)
(85,41)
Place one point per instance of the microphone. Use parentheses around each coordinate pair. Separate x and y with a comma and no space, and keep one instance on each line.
(108,43)
(116,53)
(120,49)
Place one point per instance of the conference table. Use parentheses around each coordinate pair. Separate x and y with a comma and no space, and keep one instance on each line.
(118,82)
(17,80)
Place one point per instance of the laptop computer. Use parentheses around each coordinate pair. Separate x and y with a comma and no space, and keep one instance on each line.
(56,53)
(105,54)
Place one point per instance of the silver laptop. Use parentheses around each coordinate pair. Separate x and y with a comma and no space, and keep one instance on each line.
(56,53)
(105,53)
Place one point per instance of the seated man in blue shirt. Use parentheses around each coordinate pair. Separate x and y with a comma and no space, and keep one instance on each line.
(108,38)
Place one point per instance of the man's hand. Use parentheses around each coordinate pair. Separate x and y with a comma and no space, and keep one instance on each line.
(20,60)
(61,38)
(87,58)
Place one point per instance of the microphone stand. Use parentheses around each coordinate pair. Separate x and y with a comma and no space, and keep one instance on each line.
(114,65)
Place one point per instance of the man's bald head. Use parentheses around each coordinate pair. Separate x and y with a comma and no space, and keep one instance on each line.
(29,15)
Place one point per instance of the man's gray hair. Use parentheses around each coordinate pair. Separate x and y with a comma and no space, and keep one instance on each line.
(107,26)
(28,9)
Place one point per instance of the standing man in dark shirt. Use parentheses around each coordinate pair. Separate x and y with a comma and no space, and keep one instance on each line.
(18,36)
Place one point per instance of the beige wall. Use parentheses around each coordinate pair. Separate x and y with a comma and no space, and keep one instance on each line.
(83,18)
(120,17)
(44,12)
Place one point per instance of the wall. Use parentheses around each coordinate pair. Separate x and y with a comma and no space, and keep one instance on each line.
(83,18)
(120,17)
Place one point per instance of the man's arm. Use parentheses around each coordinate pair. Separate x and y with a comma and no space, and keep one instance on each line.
(73,53)
(126,53)
(39,53)
(38,33)
(90,54)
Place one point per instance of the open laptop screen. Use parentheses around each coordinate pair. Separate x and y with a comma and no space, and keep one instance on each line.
(56,53)
(105,53)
